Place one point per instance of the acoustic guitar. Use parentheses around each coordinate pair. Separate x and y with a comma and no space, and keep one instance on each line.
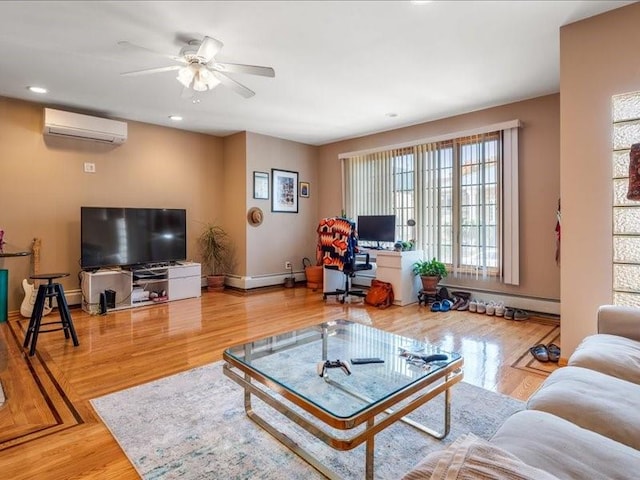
(30,291)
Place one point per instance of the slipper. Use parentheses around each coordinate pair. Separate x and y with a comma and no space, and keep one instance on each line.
(540,352)
(435,307)
(554,352)
(445,305)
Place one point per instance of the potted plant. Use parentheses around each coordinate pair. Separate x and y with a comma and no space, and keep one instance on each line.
(215,247)
(431,272)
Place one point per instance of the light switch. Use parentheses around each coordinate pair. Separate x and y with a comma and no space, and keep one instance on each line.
(89,167)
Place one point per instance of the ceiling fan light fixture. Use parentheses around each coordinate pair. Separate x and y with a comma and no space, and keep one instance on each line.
(208,78)
(198,77)
(186,75)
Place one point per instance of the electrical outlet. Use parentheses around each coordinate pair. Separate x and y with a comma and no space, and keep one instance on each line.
(287,265)
(89,167)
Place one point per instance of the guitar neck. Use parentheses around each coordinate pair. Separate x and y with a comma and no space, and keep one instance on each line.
(35,256)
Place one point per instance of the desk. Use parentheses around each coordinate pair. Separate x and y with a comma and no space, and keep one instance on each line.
(4,284)
(389,266)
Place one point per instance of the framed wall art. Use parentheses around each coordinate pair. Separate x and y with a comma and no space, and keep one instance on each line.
(304,189)
(284,191)
(261,185)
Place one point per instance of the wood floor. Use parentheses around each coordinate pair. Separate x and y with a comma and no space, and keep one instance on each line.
(48,429)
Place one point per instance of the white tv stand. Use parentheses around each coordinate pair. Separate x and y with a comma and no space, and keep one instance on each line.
(138,287)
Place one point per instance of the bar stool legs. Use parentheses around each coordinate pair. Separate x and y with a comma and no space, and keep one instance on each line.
(50,290)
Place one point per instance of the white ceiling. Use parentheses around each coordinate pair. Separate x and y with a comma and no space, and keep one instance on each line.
(341,67)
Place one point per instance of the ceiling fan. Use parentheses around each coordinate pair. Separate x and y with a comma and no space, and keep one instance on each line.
(198,68)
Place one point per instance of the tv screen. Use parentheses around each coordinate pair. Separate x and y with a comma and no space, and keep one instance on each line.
(377,228)
(131,236)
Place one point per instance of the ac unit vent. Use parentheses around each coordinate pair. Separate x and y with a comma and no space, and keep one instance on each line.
(83,127)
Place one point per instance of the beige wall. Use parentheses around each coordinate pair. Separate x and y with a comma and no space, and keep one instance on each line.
(233,220)
(599,58)
(539,151)
(282,236)
(43,186)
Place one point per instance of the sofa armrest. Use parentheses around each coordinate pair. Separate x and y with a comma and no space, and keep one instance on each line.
(619,320)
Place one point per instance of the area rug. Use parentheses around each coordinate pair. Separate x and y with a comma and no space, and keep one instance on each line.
(193,426)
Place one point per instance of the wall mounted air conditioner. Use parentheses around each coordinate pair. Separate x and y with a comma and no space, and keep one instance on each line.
(83,127)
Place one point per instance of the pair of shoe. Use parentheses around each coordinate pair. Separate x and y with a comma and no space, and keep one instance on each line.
(442,306)
(515,314)
(546,353)
(478,306)
(460,304)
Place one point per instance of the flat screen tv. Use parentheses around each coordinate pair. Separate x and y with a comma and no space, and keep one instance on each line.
(377,228)
(131,236)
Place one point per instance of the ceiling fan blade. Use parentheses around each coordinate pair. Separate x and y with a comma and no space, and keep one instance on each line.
(233,85)
(132,46)
(239,68)
(208,49)
(151,70)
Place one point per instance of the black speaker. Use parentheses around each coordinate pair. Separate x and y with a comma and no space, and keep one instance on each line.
(111,298)
(103,304)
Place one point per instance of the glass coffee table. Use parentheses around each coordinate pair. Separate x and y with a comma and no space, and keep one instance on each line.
(307,375)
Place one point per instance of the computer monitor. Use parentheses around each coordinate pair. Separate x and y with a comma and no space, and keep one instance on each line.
(377,228)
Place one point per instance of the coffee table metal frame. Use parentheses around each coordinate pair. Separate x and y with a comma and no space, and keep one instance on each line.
(415,395)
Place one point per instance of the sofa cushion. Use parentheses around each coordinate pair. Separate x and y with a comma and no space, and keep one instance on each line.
(592,400)
(610,354)
(470,457)
(564,449)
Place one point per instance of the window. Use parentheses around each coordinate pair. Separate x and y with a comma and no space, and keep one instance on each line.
(456,189)
(626,213)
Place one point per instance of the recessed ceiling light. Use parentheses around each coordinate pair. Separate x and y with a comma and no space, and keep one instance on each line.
(37,89)
(175,118)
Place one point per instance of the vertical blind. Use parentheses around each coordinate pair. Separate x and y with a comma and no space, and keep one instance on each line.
(454,189)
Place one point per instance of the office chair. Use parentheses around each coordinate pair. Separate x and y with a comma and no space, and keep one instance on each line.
(337,250)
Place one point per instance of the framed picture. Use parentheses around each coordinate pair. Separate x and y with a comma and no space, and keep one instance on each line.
(284,191)
(261,185)
(304,189)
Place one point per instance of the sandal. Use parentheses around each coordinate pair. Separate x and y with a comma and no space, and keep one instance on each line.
(554,352)
(540,352)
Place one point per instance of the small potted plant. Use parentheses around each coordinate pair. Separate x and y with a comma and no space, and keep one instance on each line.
(216,249)
(431,272)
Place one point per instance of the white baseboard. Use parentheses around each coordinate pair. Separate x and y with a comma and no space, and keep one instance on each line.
(258,281)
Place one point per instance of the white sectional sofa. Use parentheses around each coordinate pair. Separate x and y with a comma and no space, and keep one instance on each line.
(582,423)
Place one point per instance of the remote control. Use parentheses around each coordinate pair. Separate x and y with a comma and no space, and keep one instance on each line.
(363,361)
(433,358)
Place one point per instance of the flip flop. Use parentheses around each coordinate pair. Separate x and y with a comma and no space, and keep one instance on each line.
(540,352)
(554,352)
